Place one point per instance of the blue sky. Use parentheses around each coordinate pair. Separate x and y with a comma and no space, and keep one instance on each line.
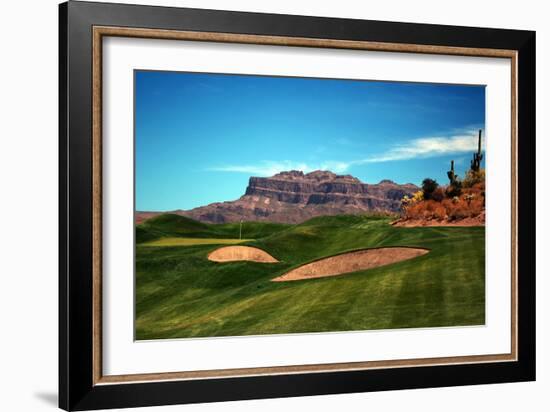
(199,137)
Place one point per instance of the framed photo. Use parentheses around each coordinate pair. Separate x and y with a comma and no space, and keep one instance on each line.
(256,206)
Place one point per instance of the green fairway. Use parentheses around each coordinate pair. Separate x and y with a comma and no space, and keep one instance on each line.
(171,225)
(190,241)
(180,293)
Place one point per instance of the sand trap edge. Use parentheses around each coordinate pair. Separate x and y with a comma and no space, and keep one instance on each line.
(306,271)
(240,254)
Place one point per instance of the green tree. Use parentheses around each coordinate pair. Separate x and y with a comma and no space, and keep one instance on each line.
(428,188)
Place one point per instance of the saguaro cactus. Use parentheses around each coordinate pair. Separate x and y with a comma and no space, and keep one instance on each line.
(455,186)
(451,173)
(476,161)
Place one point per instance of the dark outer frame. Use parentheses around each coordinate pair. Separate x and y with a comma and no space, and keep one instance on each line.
(77,387)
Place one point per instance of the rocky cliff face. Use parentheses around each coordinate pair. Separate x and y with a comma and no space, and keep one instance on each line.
(293,197)
(322,187)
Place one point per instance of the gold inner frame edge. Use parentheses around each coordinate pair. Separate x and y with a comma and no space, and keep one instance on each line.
(101,31)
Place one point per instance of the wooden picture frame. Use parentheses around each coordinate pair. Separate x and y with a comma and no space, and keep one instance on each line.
(82,385)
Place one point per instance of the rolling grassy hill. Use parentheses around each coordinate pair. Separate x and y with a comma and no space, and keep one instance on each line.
(179,293)
(176,226)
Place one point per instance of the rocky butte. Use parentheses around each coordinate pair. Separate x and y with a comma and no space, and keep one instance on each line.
(293,197)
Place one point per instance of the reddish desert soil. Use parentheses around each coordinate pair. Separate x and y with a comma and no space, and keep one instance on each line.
(469,221)
(237,253)
(351,262)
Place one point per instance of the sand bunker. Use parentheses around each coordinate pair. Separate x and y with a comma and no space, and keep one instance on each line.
(237,253)
(351,262)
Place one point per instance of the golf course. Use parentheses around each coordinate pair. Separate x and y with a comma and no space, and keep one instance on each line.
(183,292)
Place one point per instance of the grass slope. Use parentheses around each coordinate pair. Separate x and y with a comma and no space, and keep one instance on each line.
(190,241)
(171,225)
(179,293)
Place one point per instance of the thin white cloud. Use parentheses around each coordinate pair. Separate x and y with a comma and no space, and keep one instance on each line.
(270,168)
(263,168)
(417,148)
(427,147)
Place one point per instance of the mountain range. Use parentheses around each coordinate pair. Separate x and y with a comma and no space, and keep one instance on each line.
(294,196)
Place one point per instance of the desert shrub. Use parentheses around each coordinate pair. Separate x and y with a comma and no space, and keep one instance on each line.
(473,177)
(440,213)
(426,210)
(439,194)
(409,205)
(476,206)
(405,202)
(411,211)
(428,188)
(454,189)
(429,205)
(459,210)
(479,190)
(445,203)
(469,205)
(478,187)
(418,197)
